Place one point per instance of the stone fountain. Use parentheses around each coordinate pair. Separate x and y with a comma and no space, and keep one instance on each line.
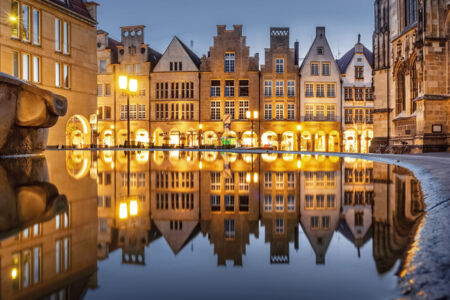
(26,113)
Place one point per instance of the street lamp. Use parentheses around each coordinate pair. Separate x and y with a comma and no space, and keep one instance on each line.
(128,87)
(252,117)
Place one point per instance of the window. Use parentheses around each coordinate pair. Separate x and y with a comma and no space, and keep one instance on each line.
(229,62)
(309,201)
(229,229)
(359,115)
(309,112)
(348,93)
(229,109)
(36,27)
(291,203)
(331,201)
(65,38)
(369,116)
(315,69)
(102,66)
(229,202)
(25,23)
(279,203)
(243,88)
(331,112)
(331,90)
(309,90)
(229,88)
(325,222)
(325,69)
(400,102)
(57,34)
(267,111)
(99,90)
(279,225)
(267,202)
(215,88)
(359,94)
(348,198)
(410,12)
(107,89)
(215,181)
(320,50)
(215,110)
(243,108)
(315,222)
(320,90)
(243,184)
(359,72)
(290,180)
(243,203)
(61,221)
(229,183)
(268,180)
(123,112)
(26,67)
(279,65)
(348,116)
(291,111)
(320,201)
(279,180)
(15,19)
(267,88)
(215,202)
(279,111)
(291,88)
(141,111)
(36,69)
(320,112)
(62,255)
(16,64)
(279,91)
(359,218)
(66,76)
(369,94)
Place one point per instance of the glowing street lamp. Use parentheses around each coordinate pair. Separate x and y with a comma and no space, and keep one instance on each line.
(133,208)
(123,210)
(128,86)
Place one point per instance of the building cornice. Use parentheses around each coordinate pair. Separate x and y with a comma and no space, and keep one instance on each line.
(70,12)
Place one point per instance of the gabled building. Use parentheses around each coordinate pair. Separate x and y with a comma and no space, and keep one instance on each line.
(356,75)
(411,76)
(135,59)
(320,111)
(279,97)
(175,96)
(229,88)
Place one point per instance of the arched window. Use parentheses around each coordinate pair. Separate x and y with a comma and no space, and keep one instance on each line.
(414,87)
(400,91)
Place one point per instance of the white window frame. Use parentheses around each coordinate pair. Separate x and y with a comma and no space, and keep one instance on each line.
(268,88)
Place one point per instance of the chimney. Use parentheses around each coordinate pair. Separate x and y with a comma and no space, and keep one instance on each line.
(92,9)
(296,49)
(238,29)
(221,29)
(320,31)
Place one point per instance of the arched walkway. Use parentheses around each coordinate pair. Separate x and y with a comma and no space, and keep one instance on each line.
(366,140)
(269,139)
(210,138)
(158,137)
(78,131)
(333,141)
(307,142)
(107,138)
(350,141)
(247,140)
(142,136)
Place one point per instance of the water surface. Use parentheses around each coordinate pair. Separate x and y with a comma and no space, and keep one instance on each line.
(160,225)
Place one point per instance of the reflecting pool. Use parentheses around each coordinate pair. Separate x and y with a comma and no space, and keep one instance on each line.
(161,225)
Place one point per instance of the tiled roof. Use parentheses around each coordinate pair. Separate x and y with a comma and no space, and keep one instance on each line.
(345,60)
(76,6)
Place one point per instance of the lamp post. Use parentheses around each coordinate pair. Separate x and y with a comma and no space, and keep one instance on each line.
(128,86)
(299,137)
(252,117)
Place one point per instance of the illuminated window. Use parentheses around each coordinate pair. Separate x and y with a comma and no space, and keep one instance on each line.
(243,108)
(14,18)
(268,180)
(123,112)
(25,22)
(215,110)
(331,112)
(229,109)
(215,181)
(133,112)
(141,111)
(229,183)
(36,69)
(243,184)
(320,112)
(309,112)
(279,180)
(279,111)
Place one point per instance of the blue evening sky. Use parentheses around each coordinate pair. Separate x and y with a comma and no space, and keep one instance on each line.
(197,19)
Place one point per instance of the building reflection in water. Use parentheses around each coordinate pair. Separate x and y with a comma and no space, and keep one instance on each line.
(107,201)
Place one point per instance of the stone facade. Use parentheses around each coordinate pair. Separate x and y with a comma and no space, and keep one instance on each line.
(411,77)
(55,50)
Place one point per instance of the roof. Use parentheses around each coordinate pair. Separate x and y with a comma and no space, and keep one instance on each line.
(76,6)
(191,54)
(345,60)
